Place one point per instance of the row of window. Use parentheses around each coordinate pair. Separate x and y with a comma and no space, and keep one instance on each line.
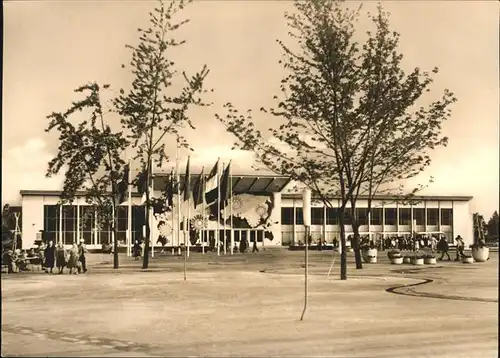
(52,223)
(318,216)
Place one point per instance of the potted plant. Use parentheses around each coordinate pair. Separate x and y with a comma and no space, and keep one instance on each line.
(467,259)
(417,260)
(429,259)
(393,252)
(369,252)
(407,259)
(480,252)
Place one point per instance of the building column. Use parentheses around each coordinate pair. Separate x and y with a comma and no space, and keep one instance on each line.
(78,221)
(275,218)
(439,215)
(397,218)
(369,222)
(425,217)
(60,238)
(324,223)
(294,238)
(383,220)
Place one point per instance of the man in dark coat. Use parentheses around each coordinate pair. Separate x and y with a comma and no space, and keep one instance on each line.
(82,250)
(50,257)
(443,247)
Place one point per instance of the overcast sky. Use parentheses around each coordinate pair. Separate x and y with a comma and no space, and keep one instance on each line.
(52,47)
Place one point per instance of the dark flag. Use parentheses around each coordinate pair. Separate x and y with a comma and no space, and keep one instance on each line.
(199,190)
(123,185)
(187,183)
(141,182)
(170,190)
(212,185)
(225,188)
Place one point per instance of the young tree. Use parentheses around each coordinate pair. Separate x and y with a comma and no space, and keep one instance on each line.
(91,153)
(347,124)
(154,108)
(492,227)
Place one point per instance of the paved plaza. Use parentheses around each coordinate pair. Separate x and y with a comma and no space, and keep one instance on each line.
(250,305)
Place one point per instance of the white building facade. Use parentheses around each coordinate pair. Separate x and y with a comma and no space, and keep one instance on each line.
(261,211)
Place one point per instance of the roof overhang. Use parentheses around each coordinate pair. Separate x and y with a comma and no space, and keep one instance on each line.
(390,198)
(58,193)
(241,184)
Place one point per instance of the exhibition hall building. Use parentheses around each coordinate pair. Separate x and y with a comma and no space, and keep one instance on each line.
(264,208)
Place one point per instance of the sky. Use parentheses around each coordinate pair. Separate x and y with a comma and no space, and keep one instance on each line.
(52,47)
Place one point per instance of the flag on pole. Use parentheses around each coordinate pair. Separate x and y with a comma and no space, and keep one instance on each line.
(187,182)
(199,189)
(123,185)
(211,190)
(225,192)
(170,190)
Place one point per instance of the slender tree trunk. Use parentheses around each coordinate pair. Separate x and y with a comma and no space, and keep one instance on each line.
(343,246)
(115,245)
(145,262)
(356,244)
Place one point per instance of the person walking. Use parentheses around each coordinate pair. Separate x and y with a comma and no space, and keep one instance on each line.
(443,247)
(460,248)
(82,250)
(136,250)
(254,246)
(73,259)
(50,255)
(433,242)
(60,257)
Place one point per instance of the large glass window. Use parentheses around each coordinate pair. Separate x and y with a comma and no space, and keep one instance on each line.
(419,216)
(362,214)
(432,217)
(376,216)
(347,217)
(390,216)
(87,223)
(317,216)
(138,221)
(299,218)
(69,224)
(332,216)
(51,222)
(286,216)
(404,216)
(447,217)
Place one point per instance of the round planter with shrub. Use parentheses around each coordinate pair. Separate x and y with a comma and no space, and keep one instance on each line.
(417,260)
(429,260)
(480,254)
(396,260)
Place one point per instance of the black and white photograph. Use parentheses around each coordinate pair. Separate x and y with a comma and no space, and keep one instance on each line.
(250,178)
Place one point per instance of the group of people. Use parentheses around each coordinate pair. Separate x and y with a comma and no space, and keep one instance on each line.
(56,256)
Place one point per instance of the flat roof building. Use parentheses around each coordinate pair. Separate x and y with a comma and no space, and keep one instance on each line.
(260,204)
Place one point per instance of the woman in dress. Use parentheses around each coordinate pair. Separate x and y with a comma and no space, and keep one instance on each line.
(73,259)
(60,257)
(50,255)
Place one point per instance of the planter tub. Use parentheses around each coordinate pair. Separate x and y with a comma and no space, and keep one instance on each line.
(369,254)
(371,260)
(406,260)
(481,254)
(430,261)
(417,262)
(396,260)
(468,260)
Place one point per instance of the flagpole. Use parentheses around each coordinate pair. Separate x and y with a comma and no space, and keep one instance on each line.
(187,187)
(150,214)
(129,219)
(202,232)
(224,242)
(178,195)
(218,209)
(231,208)
(172,208)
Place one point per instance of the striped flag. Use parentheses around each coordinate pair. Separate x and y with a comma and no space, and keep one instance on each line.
(225,190)
(211,188)
(187,182)
(199,189)
(123,185)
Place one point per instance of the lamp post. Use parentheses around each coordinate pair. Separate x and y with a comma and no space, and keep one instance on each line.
(306,213)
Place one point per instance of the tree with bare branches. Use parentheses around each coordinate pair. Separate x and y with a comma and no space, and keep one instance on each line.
(347,123)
